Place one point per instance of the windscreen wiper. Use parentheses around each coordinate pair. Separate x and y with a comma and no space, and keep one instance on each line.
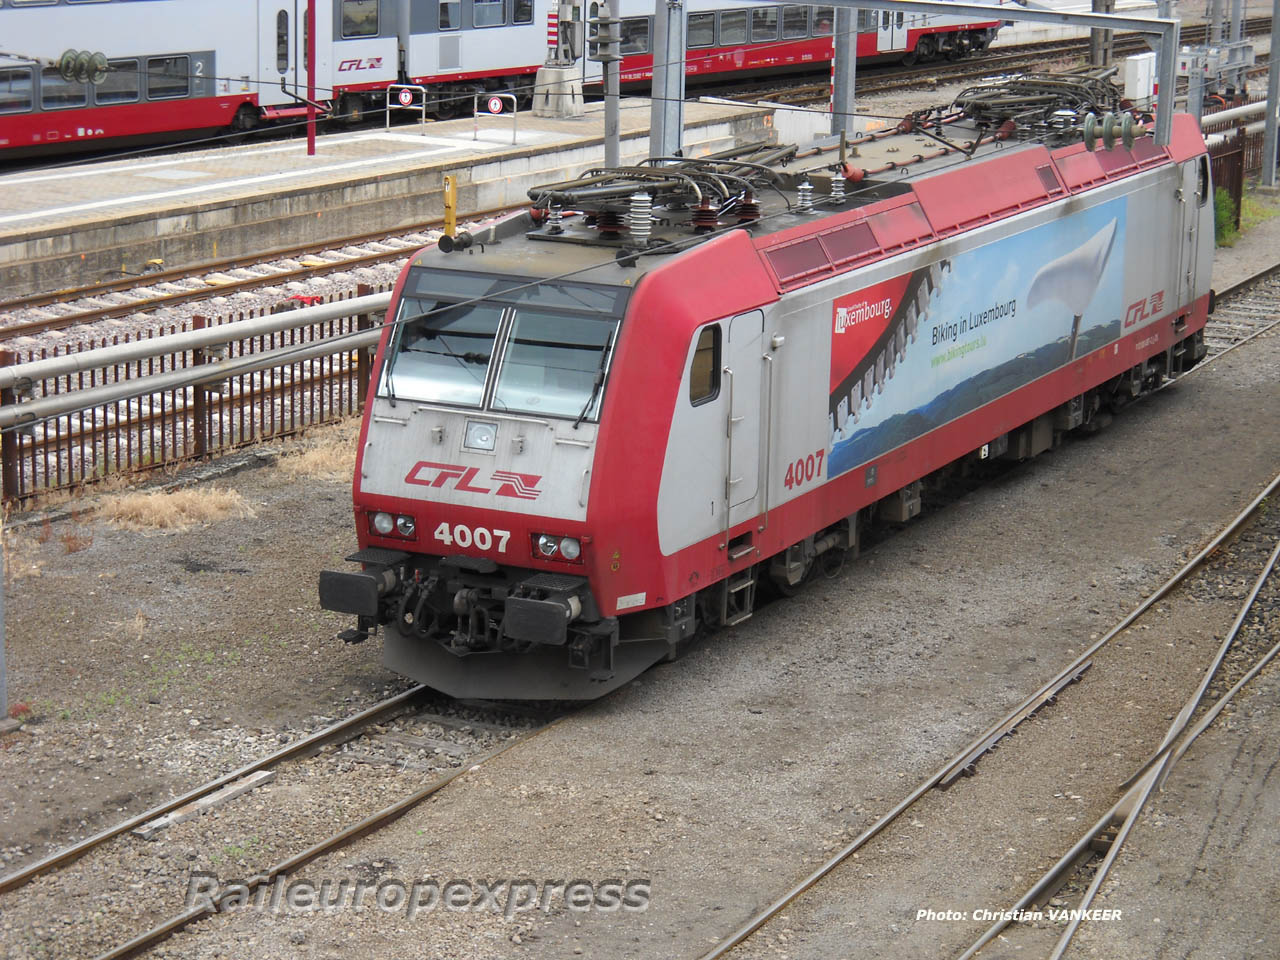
(599,381)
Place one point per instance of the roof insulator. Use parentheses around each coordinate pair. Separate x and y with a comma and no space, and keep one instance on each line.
(640,219)
(804,202)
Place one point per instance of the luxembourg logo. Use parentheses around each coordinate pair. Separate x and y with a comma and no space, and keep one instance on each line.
(850,316)
(517,486)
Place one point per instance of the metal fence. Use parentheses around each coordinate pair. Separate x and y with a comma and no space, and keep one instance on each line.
(1238,155)
(180,420)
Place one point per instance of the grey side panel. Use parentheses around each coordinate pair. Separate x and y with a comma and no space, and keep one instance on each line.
(450,52)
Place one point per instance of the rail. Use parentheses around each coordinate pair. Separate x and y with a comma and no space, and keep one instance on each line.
(98,409)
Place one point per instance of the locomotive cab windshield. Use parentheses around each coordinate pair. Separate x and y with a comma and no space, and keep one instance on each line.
(507,345)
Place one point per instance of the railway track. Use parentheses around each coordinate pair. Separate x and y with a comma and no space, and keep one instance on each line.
(1012,59)
(965,761)
(132,295)
(1242,315)
(413,735)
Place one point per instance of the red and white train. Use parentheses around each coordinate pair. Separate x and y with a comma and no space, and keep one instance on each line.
(588,435)
(182,67)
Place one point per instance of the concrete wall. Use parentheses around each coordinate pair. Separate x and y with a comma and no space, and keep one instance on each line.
(42,260)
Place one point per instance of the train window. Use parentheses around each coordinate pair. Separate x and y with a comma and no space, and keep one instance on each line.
(122,85)
(704,374)
(733,27)
(701,31)
(867,21)
(359,18)
(552,355)
(552,362)
(443,353)
(57,94)
(764,25)
(898,20)
(635,35)
(282,41)
(795,22)
(450,14)
(522,11)
(885,19)
(486,13)
(168,78)
(823,20)
(1202,188)
(15,90)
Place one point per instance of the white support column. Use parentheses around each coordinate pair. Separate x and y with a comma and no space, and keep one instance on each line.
(1273,104)
(844,65)
(666,108)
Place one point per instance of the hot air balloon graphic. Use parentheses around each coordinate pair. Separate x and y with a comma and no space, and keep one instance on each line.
(1073,279)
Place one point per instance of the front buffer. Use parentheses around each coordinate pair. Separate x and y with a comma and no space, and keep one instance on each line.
(473,629)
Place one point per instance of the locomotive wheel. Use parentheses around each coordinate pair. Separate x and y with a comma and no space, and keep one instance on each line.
(781,587)
(925,49)
(246,118)
(350,110)
(447,107)
(911,57)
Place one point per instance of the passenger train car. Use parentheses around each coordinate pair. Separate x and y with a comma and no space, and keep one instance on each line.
(179,67)
(588,435)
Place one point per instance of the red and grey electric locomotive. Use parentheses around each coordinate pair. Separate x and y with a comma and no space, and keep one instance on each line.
(589,435)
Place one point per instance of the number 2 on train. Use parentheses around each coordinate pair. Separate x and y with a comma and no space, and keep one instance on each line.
(804,470)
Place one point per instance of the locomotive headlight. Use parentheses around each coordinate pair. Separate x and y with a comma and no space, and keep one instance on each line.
(383,523)
(570,549)
(480,435)
(548,545)
(405,526)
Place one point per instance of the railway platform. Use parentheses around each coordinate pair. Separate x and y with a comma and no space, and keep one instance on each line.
(82,223)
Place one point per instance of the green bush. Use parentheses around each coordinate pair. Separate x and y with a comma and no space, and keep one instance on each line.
(1224,218)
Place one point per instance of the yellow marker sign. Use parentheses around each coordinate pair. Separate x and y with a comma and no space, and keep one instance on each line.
(450,206)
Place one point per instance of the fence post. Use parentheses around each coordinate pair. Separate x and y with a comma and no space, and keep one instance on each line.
(363,322)
(200,397)
(8,440)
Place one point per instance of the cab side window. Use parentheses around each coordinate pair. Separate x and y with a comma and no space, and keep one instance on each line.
(704,374)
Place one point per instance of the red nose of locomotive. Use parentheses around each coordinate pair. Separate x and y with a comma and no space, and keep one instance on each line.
(474,472)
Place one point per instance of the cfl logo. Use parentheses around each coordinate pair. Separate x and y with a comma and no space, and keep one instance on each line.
(518,486)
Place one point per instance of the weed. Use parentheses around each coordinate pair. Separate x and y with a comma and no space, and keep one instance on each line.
(1225,231)
(327,453)
(1255,210)
(175,510)
(20,554)
(75,542)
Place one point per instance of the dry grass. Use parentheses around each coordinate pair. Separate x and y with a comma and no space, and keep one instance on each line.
(75,542)
(21,556)
(175,510)
(325,453)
